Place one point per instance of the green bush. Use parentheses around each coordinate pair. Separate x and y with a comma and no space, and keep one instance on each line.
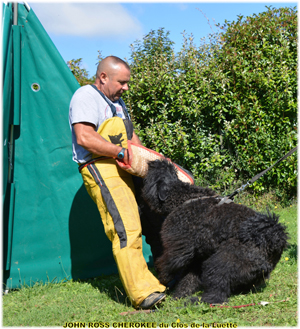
(225,110)
(80,74)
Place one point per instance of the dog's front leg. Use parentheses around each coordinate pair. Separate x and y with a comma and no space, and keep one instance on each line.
(216,287)
(188,284)
(215,296)
(175,257)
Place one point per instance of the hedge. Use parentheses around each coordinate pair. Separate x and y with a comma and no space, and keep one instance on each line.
(225,110)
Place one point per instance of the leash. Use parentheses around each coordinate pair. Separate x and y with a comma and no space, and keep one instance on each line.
(231,196)
(201,198)
(226,199)
(236,306)
(246,305)
(140,311)
(211,306)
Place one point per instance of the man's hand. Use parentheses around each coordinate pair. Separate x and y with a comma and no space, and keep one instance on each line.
(127,157)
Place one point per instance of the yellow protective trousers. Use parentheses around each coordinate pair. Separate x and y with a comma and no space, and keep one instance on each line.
(112,190)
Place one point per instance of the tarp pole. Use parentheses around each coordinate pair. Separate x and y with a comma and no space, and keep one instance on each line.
(26,5)
(11,141)
(15,7)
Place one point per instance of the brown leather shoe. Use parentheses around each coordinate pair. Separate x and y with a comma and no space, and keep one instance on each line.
(152,300)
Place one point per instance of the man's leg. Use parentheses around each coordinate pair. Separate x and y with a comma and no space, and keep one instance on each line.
(112,190)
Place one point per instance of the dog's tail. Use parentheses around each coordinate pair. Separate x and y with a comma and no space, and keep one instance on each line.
(267,233)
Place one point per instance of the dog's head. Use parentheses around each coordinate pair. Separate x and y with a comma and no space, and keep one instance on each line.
(160,179)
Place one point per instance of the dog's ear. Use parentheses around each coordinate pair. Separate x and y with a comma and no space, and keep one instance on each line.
(162,192)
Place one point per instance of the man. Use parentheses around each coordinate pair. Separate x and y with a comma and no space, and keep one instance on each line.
(92,109)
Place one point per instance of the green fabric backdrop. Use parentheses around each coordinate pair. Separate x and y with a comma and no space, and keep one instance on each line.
(52,229)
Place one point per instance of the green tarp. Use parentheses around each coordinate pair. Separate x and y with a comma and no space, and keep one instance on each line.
(52,229)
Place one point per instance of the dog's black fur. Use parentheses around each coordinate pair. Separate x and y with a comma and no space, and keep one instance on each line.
(151,221)
(221,250)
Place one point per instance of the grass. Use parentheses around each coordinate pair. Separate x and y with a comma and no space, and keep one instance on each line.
(98,302)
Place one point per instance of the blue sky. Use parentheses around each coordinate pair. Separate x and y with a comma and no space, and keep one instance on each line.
(80,29)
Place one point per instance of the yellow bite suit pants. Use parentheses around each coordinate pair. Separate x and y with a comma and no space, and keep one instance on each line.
(112,190)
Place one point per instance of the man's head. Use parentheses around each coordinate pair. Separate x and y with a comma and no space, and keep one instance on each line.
(112,77)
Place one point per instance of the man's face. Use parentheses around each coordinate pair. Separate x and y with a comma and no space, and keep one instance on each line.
(116,82)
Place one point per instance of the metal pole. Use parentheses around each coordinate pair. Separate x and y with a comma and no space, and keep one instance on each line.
(26,5)
(11,141)
(15,6)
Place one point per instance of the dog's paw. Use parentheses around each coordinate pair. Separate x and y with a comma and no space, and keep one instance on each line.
(213,299)
(193,301)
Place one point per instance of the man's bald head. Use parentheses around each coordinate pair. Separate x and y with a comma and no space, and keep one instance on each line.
(110,65)
(112,77)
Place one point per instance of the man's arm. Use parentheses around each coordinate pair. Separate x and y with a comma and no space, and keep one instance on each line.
(89,139)
(135,139)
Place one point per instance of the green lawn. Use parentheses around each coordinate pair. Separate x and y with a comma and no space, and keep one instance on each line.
(99,302)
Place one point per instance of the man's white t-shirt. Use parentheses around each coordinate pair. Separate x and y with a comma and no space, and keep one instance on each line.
(87,105)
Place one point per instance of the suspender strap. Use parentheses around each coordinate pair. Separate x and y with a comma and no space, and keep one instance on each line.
(127,124)
(91,161)
(124,109)
(111,105)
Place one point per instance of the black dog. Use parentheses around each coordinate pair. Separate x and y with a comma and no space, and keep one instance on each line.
(219,249)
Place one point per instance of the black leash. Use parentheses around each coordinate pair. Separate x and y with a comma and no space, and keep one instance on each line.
(260,174)
(229,198)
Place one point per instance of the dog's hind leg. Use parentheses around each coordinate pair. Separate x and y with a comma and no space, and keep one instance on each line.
(234,268)
(219,271)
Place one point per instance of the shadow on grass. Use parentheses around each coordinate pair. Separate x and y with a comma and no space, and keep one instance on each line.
(292,251)
(110,285)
